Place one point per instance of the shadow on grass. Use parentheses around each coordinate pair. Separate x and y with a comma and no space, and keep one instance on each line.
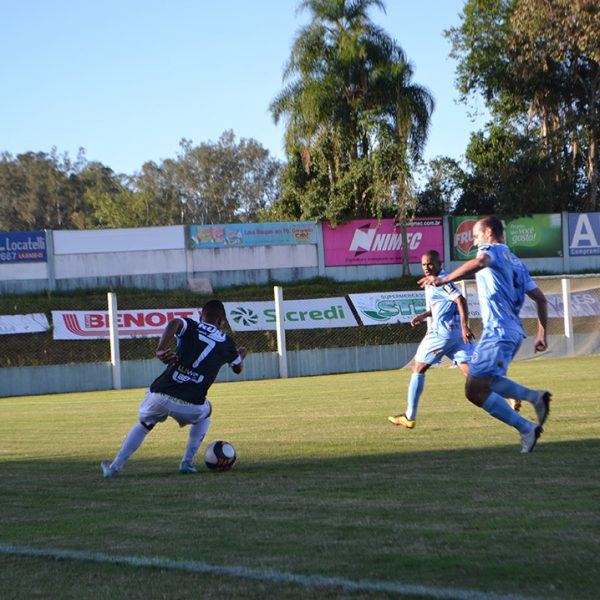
(484,519)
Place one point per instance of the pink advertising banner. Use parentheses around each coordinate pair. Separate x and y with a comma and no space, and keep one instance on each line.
(373,242)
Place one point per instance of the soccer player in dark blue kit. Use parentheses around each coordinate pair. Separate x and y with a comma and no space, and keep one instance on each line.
(180,391)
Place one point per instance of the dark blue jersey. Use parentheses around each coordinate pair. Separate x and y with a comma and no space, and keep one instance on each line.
(202,350)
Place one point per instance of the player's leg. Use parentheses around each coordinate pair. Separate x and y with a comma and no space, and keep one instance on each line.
(490,360)
(150,413)
(461,355)
(511,389)
(415,388)
(197,434)
(430,351)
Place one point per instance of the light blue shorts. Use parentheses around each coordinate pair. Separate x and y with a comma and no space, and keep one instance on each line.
(494,352)
(432,349)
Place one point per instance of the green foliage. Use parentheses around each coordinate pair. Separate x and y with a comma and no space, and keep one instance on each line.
(444,179)
(354,120)
(537,65)
(223,182)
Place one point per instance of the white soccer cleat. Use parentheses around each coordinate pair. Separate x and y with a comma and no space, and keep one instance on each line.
(542,407)
(529,440)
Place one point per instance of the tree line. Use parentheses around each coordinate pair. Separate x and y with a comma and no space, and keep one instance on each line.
(213,182)
(356,126)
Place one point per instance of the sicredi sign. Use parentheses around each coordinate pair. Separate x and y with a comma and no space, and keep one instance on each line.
(94,324)
(373,242)
(318,313)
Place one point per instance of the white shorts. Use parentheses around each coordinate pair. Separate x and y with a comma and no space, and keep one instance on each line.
(155,408)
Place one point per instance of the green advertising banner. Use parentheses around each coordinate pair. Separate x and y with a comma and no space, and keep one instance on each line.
(537,236)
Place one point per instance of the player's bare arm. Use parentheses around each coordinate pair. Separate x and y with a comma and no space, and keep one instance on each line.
(469,268)
(541,342)
(163,352)
(420,318)
(242,352)
(463,311)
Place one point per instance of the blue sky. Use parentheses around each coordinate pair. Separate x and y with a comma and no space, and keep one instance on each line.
(127,79)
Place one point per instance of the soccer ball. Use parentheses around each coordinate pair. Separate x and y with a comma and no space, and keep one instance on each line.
(219,456)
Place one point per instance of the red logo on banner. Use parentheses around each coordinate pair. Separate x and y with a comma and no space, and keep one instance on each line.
(463,236)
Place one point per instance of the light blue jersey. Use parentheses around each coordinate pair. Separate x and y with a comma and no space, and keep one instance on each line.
(445,318)
(501,288)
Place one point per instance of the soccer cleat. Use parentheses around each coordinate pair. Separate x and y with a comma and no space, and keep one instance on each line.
(529,440)
(187,467)
(542,407)
(107,471)
(515,404)
(403,421)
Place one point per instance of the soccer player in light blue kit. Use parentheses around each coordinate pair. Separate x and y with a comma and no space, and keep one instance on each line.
(502,282)
(449,335)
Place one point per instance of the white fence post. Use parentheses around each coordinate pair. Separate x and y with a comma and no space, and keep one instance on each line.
(568,315)
(281,348)
(115,352)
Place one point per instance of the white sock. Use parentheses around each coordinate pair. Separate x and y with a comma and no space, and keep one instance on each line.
(197,432)
(132,442)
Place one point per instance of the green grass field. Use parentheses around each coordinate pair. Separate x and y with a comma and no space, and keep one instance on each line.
(323,486)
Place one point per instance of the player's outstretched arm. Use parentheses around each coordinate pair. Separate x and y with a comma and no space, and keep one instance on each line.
(163,352)
(469,268)
(541,304)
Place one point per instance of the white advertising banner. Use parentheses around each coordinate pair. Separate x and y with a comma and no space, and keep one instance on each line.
(320,313)
(32,323)
(387,308)
(93,324)
(583,304)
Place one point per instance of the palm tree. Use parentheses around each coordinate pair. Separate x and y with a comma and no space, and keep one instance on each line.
(352,113)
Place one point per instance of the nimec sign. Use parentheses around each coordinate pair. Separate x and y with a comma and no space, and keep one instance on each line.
(379,242)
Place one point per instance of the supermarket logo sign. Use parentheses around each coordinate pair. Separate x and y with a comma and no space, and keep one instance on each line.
(318,313)
(388,308)
(94,325)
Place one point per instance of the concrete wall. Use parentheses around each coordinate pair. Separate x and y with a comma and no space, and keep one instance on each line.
(54,379)
(159,258)
(27,381)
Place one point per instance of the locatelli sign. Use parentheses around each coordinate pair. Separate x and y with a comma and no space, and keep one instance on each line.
(25,246)
(94,325)
(319,313)
(373,242)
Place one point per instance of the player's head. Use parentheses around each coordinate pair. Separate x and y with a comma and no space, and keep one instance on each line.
(214,312)
(488,229)
(431,263)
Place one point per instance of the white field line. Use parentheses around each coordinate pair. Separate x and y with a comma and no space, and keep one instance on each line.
(308,581)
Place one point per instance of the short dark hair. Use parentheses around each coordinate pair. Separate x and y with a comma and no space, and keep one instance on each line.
(494,223)
(434,254)
(213,310)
